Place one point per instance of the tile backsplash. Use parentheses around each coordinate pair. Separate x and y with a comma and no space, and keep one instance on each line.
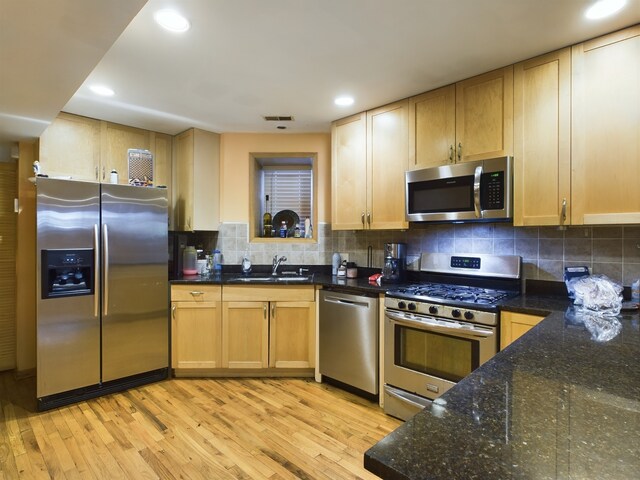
(613,251)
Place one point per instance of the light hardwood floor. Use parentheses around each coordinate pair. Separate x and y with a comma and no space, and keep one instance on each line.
(191,429)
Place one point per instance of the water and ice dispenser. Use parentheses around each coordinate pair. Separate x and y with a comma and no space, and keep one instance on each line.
(67,273)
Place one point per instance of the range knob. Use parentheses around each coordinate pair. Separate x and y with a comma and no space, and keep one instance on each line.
(412,307)
(468,315)
(433,309)
(455,313)
(402,305)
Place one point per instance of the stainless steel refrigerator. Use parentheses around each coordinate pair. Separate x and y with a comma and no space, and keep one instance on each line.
(102,308)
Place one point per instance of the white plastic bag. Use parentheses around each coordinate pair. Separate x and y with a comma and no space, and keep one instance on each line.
(597,293)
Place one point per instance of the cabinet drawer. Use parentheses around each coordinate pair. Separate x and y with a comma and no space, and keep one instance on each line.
(196,293)
(268,293)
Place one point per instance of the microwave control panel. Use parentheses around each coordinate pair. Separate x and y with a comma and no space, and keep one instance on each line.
(492,191)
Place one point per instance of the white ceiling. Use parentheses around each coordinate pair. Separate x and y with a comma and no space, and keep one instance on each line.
(244,59)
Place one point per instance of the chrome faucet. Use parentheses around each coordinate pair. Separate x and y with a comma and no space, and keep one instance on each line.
(276,263)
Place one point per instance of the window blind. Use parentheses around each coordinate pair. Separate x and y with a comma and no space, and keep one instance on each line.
(289,189)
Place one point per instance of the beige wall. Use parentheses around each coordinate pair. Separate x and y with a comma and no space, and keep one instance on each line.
(234,181)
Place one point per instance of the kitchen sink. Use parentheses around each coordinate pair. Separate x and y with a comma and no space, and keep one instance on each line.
(265,278)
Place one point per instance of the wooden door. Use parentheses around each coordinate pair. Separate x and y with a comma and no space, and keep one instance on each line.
(432,128)
(245,334)
(196,341)
(542,140)
(348,173)
(513,325)
(387,162)
(484,116)
(116,141)
(606,129)
(292,335)
(70,146)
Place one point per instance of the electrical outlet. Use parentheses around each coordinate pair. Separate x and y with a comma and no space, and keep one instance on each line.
(344,257)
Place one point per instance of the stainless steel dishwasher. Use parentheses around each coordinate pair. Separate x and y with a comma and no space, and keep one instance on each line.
(349,339)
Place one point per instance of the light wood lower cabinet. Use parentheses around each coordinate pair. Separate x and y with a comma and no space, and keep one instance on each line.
(513,325)
(268,327)
(196,334)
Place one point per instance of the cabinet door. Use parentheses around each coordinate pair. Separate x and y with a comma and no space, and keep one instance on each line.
(117,139)
(542,139)
(484,116)
(161,149)
(387,161)
(245,334)
(606,130)
(513,325)
(292,335)
(348,173)
(432,128)
(196,335)
(71,146)
(184,182)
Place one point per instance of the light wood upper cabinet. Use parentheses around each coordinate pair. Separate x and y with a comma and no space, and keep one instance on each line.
(370,156)
(196,331)
(432,128)
(471,120)
(348,172)
(387,161)
(542,140)
(513,325)
(71,146)
(605,137)
(484,116)
(197,196)
(117,140)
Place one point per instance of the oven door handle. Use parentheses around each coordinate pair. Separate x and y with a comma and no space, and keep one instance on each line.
(425,324)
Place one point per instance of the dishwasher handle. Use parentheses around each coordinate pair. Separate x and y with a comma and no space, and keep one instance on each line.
(343,301)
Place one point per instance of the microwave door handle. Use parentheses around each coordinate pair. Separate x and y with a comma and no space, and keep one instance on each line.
(425,324)
(477,176)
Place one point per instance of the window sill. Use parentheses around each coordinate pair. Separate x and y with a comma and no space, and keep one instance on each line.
(282,240)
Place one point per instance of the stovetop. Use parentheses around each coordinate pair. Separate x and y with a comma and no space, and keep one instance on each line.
(451,294)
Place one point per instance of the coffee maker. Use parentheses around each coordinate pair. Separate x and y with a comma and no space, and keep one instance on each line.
(395,262)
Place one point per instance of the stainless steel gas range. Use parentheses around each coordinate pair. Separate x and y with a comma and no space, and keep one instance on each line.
(438,331)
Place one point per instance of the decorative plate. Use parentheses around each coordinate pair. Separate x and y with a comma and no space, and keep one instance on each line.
(290,217)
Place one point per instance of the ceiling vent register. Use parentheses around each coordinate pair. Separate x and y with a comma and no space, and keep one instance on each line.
(278,118)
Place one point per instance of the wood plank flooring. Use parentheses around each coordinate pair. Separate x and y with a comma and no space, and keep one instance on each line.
(191,429)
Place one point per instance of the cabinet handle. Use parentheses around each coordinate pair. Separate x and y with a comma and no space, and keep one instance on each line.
(459,151)
(362,218)
(97,173)
(451,154)
(103,173)
(273,311)
(264,310)
(369,218)
(173,312)
(196,292)
(564,210)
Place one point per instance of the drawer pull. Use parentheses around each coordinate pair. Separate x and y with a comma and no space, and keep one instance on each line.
(196,292)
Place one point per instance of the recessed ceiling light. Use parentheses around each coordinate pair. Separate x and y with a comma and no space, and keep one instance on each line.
(343,101)
(102,90)
(604,8)
(172,20)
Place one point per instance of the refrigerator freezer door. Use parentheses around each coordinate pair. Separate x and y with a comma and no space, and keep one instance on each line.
(67,327)
(135,322)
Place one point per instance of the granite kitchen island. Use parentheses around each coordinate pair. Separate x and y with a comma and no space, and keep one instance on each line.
(556,404)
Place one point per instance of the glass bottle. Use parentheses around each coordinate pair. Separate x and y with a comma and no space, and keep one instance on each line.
(267,226)
(283,229)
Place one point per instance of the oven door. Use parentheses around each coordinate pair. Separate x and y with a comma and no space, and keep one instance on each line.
(426,355)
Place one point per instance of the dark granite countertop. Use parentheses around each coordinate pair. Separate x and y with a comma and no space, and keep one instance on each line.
(555,404)
(357,285)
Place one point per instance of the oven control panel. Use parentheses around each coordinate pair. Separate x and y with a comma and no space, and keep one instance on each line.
(459,313)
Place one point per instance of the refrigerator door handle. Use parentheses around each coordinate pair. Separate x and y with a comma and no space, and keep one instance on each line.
(96,272)
(105,283)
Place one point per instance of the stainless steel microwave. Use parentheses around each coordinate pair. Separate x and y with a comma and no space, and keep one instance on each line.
(463,192)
